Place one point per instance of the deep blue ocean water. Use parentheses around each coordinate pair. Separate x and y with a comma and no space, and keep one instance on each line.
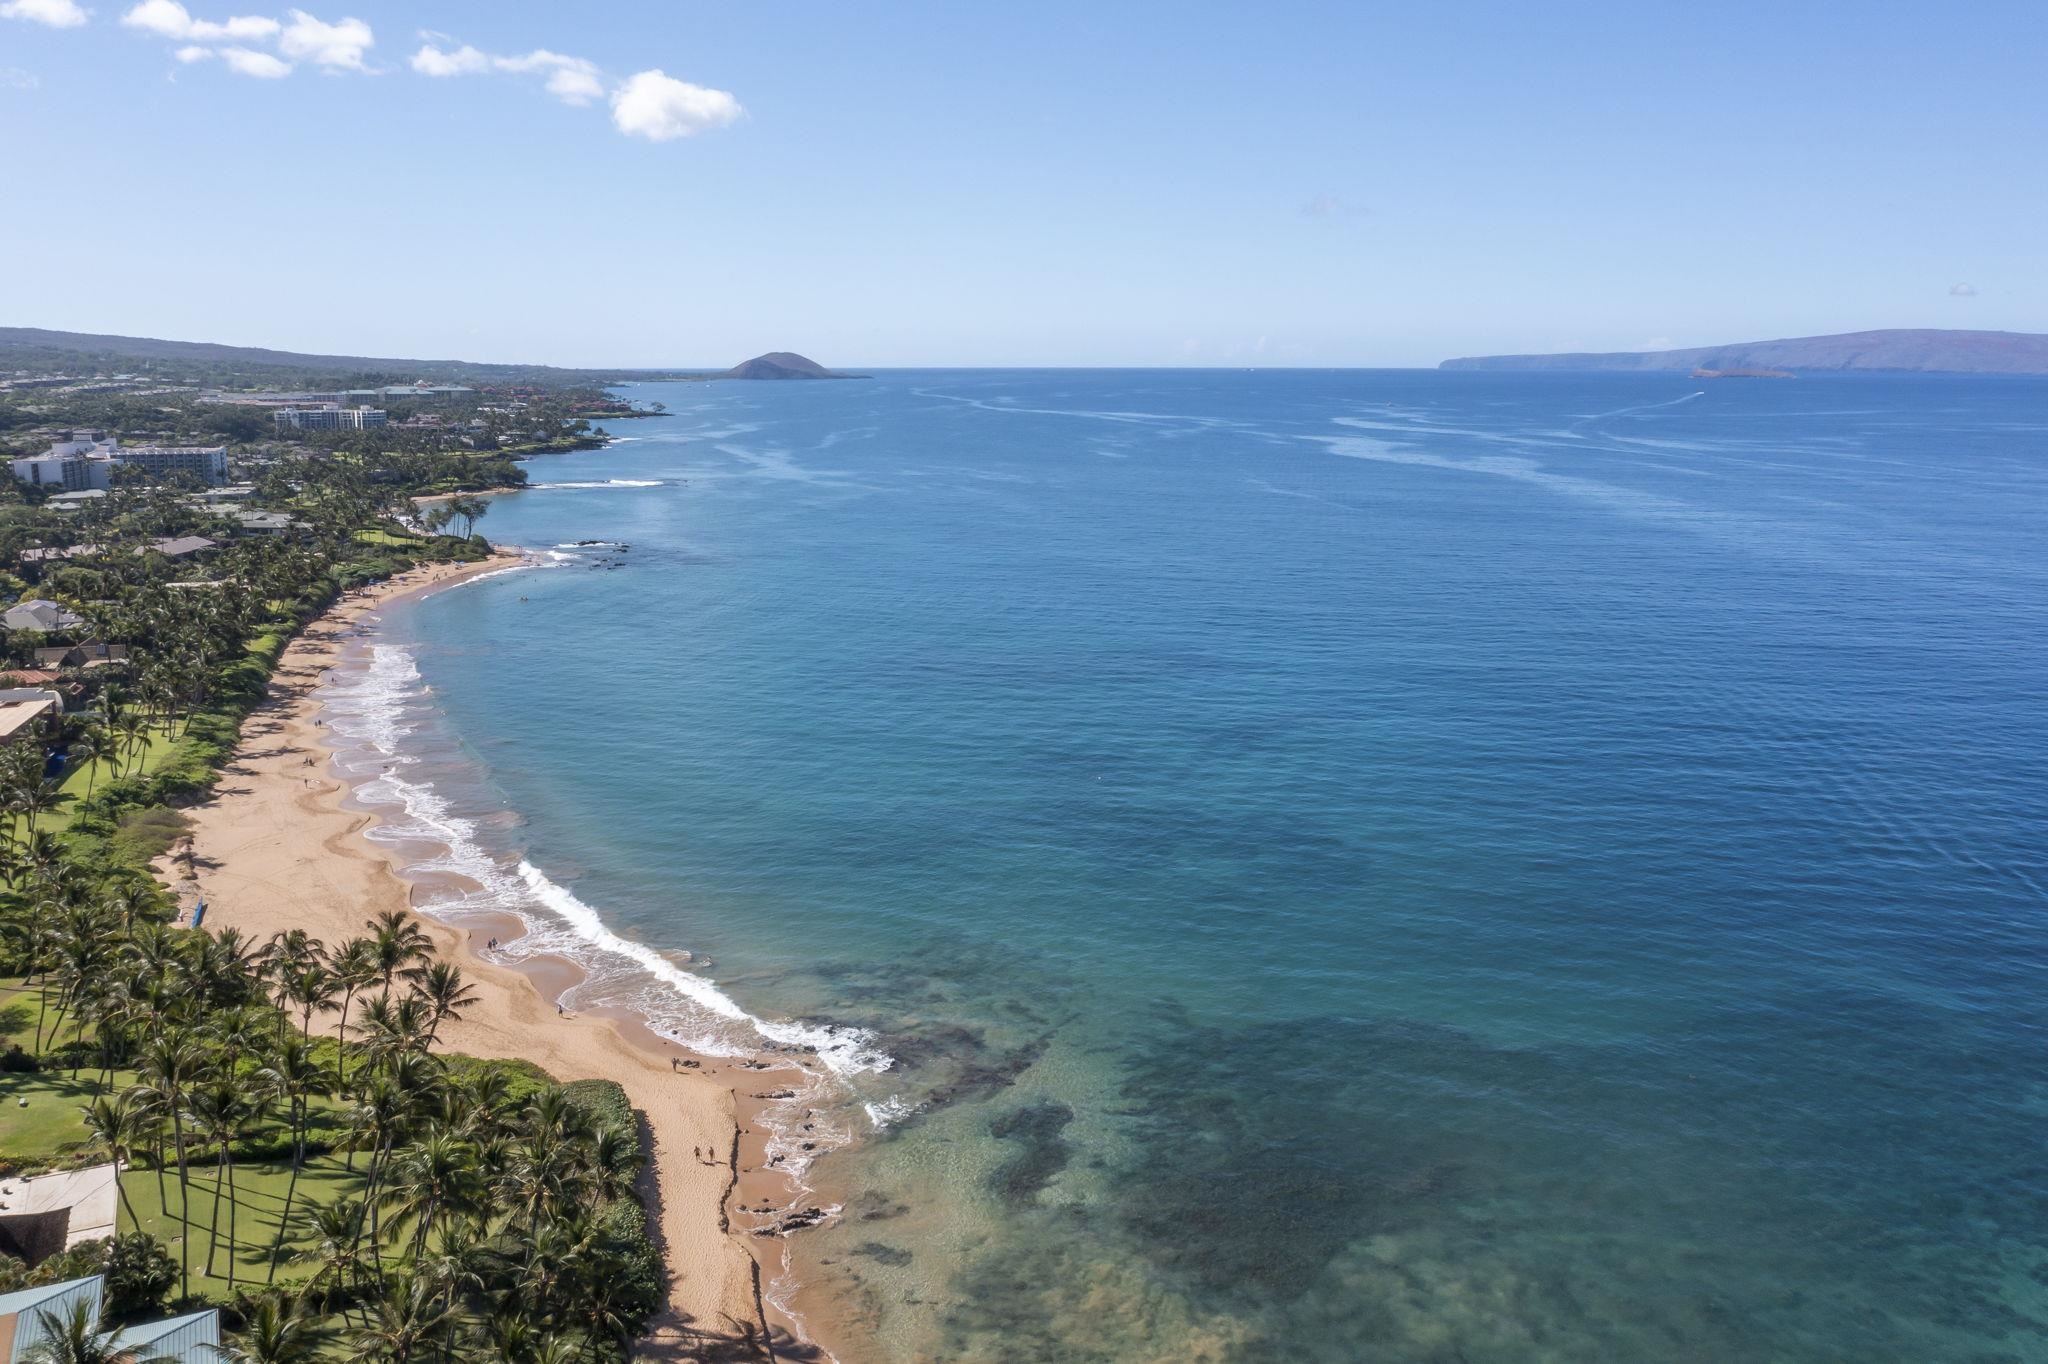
(1346,865)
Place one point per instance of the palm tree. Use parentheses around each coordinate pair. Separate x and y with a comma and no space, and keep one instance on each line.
(398,943)
(172,1065)
(74,1337)
(37,797)
(313,988)
(613,1162)
(407,1322)
(355,968)
(446,995)
(86,749)
(293,1078)
(436,1176)
(337,1230)
(212,1109)
(391,1028)
(277,1329)
(557,1350)
(115,1125)
(382,1110)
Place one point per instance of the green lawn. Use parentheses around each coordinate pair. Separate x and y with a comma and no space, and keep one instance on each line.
(257,1205)
(385,537)
(49,1128)
(99,771)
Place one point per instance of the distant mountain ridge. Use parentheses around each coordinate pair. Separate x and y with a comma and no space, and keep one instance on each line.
(781,364)
(26,347)
(1909,351)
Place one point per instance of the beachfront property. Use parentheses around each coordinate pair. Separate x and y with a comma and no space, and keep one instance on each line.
(76,460)
(171,547)
(52,1213)
(26,1319)
(336,398)
(208,462)
(182,546)
(84,461)
(71,689)
(41,615)
(267,523)
(28,713)
(80,656)
(328,417)
(23,1313)
(194,1336)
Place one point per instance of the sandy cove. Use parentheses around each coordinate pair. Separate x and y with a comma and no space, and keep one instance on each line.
(274,848)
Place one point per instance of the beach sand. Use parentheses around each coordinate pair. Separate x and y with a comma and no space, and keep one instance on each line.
(276,848)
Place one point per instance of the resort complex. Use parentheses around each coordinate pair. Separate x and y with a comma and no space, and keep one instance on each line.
(218,1140)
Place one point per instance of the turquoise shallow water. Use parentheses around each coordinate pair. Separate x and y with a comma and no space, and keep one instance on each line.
(1380,865)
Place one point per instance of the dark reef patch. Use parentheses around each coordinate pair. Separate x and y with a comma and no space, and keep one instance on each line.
(1036,1130)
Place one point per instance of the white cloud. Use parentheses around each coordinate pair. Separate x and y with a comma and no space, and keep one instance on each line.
(14,78)
(463,61)
(657,106)
(1962,291)
(245,61)
(169,19)
(55,13)
(250,62)
(338,45)
(572,80)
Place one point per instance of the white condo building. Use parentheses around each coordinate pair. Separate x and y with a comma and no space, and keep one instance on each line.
(79,461)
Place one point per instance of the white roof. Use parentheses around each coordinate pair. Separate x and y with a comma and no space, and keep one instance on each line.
(39,613)
(27,1306)
(28,1299)
(178,1338)
(89,1193)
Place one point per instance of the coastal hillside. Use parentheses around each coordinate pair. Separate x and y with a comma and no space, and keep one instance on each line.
(36,348)
(781,364)
(1901,351)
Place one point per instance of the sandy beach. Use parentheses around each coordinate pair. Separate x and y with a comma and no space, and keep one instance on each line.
(276,847)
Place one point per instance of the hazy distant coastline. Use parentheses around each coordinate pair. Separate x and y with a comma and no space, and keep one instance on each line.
(1898,351)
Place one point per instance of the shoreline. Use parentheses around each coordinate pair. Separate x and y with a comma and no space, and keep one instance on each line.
(279,844)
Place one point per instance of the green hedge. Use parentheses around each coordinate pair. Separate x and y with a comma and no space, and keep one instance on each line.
(604,1100)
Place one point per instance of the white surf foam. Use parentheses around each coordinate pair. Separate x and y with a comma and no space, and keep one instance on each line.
(369,706)
(602,483)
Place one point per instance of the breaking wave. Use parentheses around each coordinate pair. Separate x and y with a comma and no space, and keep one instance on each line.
(368,707)
(601,483)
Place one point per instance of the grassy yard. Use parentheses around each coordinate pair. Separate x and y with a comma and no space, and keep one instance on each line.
(48,1129)
(385,537)
(99,771)
(257,1206)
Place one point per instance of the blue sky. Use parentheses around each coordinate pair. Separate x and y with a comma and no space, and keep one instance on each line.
(676,182)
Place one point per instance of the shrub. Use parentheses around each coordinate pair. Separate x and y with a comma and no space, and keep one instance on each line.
(142,835)
(604,1100)
(139,1273)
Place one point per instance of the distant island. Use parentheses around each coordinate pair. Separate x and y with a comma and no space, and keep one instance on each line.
(782,364)
(1903,351)
(77,355)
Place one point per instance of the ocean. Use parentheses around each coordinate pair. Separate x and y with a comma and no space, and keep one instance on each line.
(1323,865)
